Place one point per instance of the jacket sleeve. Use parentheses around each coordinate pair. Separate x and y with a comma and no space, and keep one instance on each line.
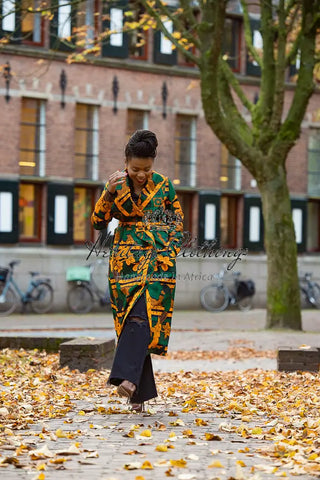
(101,215)
(175,219)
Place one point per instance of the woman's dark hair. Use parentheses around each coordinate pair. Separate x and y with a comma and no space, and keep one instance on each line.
(142,143)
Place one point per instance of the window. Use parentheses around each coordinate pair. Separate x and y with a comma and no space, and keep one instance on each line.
(228,221)
(86,27)
(29,211)
(31,23)
(138,44)
(116,45)
(186,202)
(313,226)
(314,162)
(86,142)
(82,208)
(8,16)
(185,151)
(230,176)
(137,120)
(32,137)
(231,42)
(64,19)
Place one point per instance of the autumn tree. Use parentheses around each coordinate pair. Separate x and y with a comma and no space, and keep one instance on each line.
(288,28)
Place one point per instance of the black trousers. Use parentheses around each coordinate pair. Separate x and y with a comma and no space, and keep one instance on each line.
(132,361)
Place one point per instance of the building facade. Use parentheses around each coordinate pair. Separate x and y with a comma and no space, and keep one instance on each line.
(64,127)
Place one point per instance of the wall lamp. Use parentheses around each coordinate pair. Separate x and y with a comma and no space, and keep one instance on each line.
(63,86)
(7,76)
(115,92)
(164,95)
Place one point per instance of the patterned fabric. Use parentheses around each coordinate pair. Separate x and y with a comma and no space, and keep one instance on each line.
(143,255)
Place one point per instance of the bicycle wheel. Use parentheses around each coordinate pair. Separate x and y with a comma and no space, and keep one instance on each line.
(214,298)
(80,299)
(9,303)
(316,295)
(245,304)
(41,297)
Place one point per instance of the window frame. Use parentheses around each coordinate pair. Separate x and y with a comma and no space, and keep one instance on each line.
(37,238)
(95,142)
(41,134)
(193,149)
(237,169)
(236,41)
(314,151)
(93,196)
(42,30)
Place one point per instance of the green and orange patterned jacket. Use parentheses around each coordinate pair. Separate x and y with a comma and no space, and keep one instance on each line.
(143,254)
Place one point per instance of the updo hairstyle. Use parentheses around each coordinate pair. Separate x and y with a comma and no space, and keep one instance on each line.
(142,143)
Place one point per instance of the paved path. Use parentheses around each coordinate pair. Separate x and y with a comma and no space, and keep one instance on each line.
(103,444)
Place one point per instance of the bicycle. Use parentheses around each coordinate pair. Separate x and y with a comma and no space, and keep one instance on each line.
(39,293)
(310,290)
(84,291)
(217,297)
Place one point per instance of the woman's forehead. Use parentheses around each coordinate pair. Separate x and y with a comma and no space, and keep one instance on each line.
(140,162)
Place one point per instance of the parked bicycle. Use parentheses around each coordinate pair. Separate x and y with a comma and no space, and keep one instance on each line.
(310,290)
(218,296)
(84,291)
(39,293)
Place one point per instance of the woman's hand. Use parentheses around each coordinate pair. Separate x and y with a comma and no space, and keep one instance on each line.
(115,179)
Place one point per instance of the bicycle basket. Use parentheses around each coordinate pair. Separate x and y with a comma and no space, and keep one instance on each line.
(78,273)
(3,274)
(246,288)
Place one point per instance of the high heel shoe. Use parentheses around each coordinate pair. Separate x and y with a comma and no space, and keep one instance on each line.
(126,389)
(137,407)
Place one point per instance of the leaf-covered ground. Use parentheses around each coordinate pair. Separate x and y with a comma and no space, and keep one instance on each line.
(280,409)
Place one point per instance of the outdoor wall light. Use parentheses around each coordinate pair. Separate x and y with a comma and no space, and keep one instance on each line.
(63,86)
(7,76)
(164,95)
(256,98)
(115,91)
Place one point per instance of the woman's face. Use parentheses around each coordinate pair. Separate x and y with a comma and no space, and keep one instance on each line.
(139,170)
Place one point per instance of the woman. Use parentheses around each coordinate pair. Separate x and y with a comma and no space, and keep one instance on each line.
(142,264)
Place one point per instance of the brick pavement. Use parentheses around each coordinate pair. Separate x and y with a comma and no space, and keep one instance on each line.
(104,447)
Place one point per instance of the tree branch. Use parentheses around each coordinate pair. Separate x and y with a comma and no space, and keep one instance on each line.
(248,33)
(236,86)
(290,129)
(280,70)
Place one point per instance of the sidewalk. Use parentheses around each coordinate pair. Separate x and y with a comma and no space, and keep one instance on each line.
(191,330)
(204,425)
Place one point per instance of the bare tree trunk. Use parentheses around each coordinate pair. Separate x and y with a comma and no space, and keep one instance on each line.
(283,295)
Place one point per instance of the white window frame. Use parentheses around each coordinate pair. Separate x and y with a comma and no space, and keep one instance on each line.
(64,19)
(8,15)
(165,43)
(116,24)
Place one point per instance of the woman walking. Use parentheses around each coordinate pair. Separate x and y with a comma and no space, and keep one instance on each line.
(142,266)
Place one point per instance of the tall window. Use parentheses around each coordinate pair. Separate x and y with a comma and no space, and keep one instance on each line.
(86,142)
(31,23)
(86,22)
(64,19)
(313,226)
(82,209)
(136,120)
(228,221)
(230,176)
(231,42)
(185,151)
(32,137)
(314,162)
(29,211)
(8,16)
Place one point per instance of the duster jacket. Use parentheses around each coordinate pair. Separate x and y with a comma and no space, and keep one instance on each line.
(143,254)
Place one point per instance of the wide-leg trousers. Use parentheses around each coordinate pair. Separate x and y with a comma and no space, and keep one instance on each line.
(132,361)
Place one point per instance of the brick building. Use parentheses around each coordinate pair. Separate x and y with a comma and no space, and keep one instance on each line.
(58,146)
